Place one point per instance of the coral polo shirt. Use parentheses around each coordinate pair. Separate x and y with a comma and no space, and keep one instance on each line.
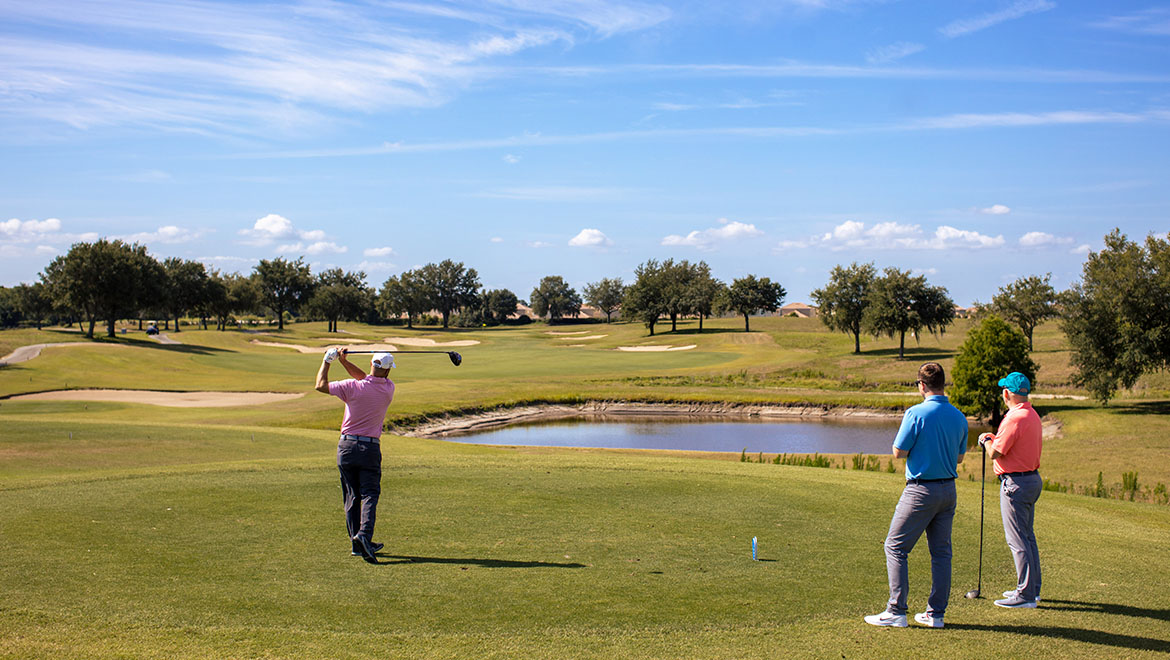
(366,402)
(1020,439)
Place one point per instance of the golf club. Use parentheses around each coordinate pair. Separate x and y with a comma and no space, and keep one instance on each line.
(456,359)
(974,593)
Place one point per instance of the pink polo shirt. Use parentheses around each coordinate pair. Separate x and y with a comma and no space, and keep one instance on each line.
(1020,439)
(366,401)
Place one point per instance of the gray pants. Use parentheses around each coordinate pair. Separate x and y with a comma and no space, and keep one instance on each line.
(929,508)
(360,464)
(1017,504)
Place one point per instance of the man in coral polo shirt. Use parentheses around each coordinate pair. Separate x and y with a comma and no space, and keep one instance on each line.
(1015,452)
(359,457)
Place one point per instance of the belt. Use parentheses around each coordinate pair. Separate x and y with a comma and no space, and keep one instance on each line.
(359,438)
(928,481)
(1018,474)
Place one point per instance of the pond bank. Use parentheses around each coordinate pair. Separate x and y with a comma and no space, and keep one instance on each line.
(462,424)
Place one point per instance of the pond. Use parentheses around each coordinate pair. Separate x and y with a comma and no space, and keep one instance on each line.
(771,436)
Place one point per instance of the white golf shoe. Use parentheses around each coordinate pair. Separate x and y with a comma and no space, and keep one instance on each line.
(923,618)
(887,619)
(1013,592)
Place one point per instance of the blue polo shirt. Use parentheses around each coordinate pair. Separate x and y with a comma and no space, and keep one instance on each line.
(935,434)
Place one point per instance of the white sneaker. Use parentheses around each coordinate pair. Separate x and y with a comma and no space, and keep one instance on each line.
(1013,592)
(887,619)
(928,621)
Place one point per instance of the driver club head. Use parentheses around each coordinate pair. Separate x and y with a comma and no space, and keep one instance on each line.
(456,359)
(974,593)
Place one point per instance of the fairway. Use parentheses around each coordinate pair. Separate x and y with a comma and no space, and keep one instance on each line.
(136,530)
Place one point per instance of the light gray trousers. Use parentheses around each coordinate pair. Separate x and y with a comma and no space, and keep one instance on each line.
(1017,505)
(929,508)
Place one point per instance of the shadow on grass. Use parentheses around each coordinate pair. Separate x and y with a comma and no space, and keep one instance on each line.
(1106,608)
(485,563)
(915,353)
(1073,634)
(1144,408)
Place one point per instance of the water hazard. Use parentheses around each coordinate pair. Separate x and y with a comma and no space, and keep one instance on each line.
(770,436)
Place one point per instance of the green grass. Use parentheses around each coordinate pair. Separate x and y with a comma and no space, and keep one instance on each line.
(195,533)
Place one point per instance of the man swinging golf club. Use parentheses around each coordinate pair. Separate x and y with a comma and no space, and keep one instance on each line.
(1015,453)
(933,440)
(359,457)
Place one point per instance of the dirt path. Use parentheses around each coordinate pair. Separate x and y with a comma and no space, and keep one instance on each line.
(26,353)
(171,399)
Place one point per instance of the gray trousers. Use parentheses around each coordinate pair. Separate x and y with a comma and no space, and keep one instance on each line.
(929,508)
(1017,505)
(360,464)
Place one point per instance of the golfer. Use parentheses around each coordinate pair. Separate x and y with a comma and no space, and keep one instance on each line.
(359,457)
(933,440)
(1015,453)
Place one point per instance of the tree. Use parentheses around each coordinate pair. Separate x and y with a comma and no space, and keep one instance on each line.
(606,295)
(751,295)
(338,294)
(284,285)
(645,298)
(405,294)
(10,315)
(555,298)
(676,292)
(450,286)
(704,292)
(1115,317)
(498,305)
(1027,302)
(104,280)
(898,303)
(34,302)
(992,350)
(184,287)
(841,303)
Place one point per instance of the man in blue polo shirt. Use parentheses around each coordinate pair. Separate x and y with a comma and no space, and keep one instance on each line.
(933,440)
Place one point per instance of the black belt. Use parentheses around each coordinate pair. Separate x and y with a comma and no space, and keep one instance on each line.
(928,481)
(359,438)
(1018,474)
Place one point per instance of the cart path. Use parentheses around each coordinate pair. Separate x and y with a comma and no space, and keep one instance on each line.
(26,353)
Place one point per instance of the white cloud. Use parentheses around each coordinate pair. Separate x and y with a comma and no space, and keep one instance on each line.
(169,234)
(852,234)
(273,227)
(378,252)
(706,239)
(497,239)
(892,52)
(590,238)
(1041,239)
(17,237)
(321,247)
(1155,21)
(996,209)
(537,244)
(510,159)
(1081,249)
(375,266)
(1018,9)
(14,228)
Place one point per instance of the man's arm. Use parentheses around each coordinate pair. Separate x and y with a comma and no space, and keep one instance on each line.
(902,453)
(323,378)
(355,372)
(987,441)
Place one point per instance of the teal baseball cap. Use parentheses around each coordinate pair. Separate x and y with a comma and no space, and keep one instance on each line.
(1016,383)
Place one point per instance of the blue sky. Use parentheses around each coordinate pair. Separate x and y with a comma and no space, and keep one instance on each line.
(972,141)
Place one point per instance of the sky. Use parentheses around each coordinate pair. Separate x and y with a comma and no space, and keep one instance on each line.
(971,141)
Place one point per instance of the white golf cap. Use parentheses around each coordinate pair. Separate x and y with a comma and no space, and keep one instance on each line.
(382,361)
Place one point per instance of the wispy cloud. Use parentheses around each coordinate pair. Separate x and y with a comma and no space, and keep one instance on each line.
(707,239)
(21,238)
(855,235)
(378,252)
(1081,249)
(1155,21)
(556,193)
(995,209)
(169,234)
(1018,9)
(893,52)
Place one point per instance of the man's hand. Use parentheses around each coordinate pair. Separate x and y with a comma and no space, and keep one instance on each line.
(984,439)
(331,355)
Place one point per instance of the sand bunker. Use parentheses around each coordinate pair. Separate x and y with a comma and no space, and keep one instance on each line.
(579,332)
(429,343)
(656,349)
(162,338)
(172,399)
(582,338)
(26,353)
(320,350)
